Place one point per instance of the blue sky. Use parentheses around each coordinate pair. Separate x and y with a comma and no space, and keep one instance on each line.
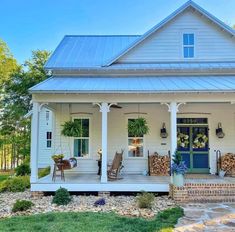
(28,25)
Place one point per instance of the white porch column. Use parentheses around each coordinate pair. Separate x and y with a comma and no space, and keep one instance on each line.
(34,142)
(173,109)
(104,109)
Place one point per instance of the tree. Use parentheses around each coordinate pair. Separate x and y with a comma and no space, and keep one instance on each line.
(14,128)
(8,64)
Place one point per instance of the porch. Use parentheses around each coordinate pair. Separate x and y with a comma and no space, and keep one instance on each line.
(91,183)
(78,182)
(108,130)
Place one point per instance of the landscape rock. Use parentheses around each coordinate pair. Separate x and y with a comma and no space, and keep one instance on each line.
(122,205)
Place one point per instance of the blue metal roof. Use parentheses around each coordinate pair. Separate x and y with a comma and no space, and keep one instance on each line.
(174,66)
(87,51)
(136,84)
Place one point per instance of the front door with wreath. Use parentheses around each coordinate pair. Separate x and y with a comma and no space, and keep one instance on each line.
(193,143)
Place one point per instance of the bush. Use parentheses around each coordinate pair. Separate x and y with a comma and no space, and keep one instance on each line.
(15,184)
(145,200)
(44,172)
(23,169)
(22,205)
(62,197)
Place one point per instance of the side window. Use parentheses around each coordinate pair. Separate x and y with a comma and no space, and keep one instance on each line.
(47,115)
(82,142)
(135,144)
(49,139)
(188,45)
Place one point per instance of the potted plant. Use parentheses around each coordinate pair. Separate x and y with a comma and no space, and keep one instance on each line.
(71,129)
(138,127)
(57,157)
(178,169)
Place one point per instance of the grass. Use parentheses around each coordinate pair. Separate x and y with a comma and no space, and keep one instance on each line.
(44,172)
(4,176)
(91,222)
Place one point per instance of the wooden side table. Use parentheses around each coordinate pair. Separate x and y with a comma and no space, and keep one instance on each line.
(58,167)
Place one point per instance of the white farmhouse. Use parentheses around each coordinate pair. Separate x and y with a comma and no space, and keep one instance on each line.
(180,73)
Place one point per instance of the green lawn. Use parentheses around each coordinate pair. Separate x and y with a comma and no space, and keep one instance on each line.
(4,176)
(91,222)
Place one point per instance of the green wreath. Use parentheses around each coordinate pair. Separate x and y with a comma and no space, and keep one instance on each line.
(182,140)
(200,141)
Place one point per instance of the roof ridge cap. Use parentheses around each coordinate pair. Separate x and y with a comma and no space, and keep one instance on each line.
(100,35)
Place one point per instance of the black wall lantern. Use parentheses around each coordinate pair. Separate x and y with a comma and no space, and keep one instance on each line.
(163,132)
(219,131)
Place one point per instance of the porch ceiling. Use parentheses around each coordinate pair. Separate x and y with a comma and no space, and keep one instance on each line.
(135,84)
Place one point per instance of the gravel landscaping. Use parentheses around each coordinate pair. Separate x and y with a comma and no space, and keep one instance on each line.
(122,205)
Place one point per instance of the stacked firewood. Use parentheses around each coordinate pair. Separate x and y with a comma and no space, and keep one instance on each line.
(228,163)
(159,165)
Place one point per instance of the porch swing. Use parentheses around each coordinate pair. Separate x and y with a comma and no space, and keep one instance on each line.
(62,164)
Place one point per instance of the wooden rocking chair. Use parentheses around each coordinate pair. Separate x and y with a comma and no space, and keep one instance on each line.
(116,166)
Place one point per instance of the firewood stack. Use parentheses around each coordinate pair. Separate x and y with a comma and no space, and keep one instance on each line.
(228,164)
(159,165)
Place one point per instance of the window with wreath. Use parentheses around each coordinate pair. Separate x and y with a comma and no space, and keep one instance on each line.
(82,142)
(135,144)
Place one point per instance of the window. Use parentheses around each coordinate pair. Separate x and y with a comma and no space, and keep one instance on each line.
(135,144)
(47,115)
(188,45)
(49,138)
(81,143)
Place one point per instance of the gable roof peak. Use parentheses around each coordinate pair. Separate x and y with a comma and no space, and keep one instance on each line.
(189,3)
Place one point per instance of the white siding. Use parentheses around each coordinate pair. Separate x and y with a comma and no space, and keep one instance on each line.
(211,43)
(156,115)
(44,126)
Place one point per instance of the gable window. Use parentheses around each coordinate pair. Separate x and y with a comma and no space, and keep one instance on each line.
(135,144)
(49,139)
(188,45)
(82,142)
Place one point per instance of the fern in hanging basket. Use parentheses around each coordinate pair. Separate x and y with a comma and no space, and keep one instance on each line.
(71,129)
(138,127)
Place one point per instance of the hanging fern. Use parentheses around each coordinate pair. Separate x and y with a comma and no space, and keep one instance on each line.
(71,129)
(138,127)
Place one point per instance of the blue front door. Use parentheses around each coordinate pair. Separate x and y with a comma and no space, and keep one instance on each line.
(193,145)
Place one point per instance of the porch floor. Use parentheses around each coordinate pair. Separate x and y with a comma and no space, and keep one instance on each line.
(78,178)
(91,182)
(129,182)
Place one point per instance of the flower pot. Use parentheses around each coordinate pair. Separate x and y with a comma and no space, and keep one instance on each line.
(178,180)
(222,173)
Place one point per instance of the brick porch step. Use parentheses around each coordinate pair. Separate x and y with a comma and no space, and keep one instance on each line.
(203,192)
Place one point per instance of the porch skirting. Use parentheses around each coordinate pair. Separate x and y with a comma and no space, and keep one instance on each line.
(91,183)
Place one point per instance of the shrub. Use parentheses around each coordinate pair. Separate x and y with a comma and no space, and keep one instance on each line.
(145,200)
(62,197)
(23,169)
(15,184)
(22,205)
(44,172)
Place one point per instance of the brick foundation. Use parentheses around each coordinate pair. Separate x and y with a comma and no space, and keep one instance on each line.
(203,192)
(103,194)
(37,194)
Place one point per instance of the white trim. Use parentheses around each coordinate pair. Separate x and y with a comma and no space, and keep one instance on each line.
(116,187)
(34,143)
